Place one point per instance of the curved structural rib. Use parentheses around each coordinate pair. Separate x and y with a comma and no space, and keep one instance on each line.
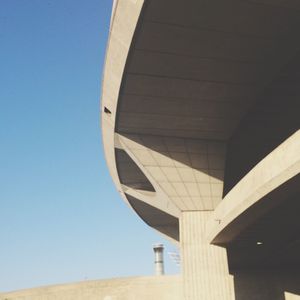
(276,169)
(126,172)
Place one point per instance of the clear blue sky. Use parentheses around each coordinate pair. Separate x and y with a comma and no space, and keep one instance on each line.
(62,219)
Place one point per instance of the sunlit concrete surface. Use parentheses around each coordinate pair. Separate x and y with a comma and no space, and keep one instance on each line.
(290,296)
(133,288)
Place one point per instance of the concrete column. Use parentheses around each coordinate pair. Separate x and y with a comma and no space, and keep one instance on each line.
(205,267)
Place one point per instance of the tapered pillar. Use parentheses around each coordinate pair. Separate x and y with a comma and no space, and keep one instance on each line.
(205,267)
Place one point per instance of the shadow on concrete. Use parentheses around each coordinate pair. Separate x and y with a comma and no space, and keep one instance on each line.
(130,174)
(200,155)
(156,218)
(266,285)
(264,258)
(270,122)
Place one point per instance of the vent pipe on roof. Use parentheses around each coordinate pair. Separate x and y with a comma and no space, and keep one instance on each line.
(159,259)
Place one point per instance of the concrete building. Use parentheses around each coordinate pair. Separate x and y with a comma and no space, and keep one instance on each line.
(200,121)
(200,118)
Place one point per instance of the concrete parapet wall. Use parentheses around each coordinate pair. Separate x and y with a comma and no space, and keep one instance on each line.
(133,288)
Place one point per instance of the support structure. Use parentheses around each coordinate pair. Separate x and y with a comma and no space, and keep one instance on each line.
(205,266)
(201,131)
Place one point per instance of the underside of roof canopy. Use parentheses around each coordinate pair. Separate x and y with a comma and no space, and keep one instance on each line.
(195,95)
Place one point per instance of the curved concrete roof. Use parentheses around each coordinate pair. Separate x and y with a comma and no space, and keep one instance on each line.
(195,95)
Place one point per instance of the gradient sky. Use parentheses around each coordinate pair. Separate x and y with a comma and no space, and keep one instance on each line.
(62,219)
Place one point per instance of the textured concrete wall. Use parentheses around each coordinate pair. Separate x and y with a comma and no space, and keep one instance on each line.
(135,288)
